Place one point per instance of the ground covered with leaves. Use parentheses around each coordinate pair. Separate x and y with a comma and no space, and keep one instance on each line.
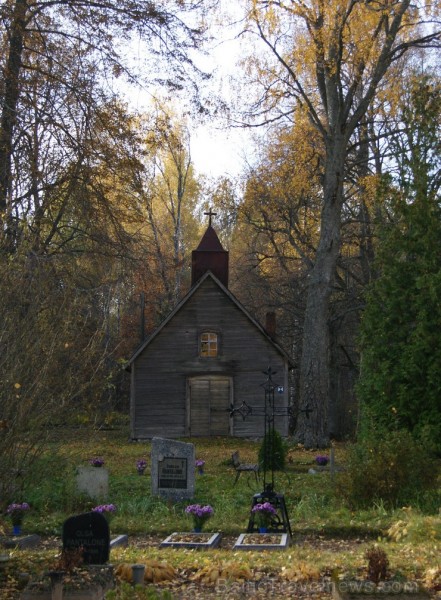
(304,570)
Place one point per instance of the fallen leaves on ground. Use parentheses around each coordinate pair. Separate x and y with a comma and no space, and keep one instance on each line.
(155,572)
(210,574)
(301,572)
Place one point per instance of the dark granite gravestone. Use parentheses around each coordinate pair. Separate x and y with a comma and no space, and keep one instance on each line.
(89,531)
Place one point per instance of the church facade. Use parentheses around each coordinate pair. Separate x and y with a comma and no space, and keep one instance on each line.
(201,372)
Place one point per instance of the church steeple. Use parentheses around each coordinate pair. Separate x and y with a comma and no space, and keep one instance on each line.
(209,256)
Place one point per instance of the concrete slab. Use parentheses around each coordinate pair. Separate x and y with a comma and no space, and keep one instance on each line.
(262,541)
(202,541)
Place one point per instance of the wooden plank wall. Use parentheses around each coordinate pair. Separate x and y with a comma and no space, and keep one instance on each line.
(162,369)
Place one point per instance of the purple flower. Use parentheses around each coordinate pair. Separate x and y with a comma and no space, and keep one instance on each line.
(96,462)
(199,462)
(199,513)
(141,464)
(104,508)
(322,460)
(264,508)
(15,507)
(17,511)
(264,511)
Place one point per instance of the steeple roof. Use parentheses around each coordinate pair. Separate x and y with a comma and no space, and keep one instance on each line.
(209,256)
(210,242)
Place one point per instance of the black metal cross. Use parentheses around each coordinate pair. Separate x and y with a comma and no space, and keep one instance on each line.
(210,214)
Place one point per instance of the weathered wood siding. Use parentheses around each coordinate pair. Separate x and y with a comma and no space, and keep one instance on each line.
(161,372)
(208,401)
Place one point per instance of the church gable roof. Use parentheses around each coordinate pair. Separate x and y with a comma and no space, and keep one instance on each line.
(184,301)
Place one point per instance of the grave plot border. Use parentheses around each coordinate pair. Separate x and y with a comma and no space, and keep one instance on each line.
(282,545)
(213,540)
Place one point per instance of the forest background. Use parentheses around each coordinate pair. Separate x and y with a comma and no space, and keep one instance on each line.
(334,224)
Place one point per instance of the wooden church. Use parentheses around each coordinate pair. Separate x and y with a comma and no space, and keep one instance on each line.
(201,372)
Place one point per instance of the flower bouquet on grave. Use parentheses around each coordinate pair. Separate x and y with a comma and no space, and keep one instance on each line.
(107,510)
(97,462)
(141,465)
(264,513)
(199,464)
(200,514)
(321,460)
(17,512)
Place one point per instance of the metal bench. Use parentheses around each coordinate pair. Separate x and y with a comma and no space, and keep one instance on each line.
(243,467)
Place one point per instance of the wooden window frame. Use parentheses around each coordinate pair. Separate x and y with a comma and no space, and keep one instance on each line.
(212,343)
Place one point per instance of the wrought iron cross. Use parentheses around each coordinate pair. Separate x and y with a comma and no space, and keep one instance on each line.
(269,412)
(210,214)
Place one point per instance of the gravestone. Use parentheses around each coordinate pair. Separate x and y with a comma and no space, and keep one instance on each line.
(93,481)
(172,469)
(89,531)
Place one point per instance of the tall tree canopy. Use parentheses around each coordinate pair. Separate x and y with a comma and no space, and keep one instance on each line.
(327,60)
(58,57)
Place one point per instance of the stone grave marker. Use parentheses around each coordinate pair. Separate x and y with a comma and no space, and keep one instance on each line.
(89,531)
(172,469)
(93,481)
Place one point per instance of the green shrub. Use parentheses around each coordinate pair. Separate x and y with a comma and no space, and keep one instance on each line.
(392,469)
(272,452)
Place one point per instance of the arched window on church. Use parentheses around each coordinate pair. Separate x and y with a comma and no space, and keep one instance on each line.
(208,347)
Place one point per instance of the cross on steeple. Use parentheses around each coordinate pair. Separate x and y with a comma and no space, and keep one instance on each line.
(210,214)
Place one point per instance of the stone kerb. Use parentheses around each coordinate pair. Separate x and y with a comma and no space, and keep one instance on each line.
(172,469)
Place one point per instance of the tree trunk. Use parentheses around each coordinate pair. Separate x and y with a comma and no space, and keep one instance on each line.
(312,422)
(9,108)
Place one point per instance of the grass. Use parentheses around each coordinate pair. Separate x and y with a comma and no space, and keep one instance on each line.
(411,539)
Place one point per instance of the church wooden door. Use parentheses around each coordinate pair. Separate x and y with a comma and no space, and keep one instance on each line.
(209,399)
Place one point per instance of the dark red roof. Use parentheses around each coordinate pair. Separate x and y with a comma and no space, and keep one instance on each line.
(210,242)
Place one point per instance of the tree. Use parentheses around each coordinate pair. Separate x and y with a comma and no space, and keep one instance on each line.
(37,38)
(330,58)
(400,383)
(167,193)
(54,353)
(71,217)
(279,225)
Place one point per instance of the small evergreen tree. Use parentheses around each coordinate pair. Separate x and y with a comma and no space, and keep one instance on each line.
(272,452)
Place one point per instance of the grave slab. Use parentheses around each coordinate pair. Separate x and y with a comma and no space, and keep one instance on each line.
(119,540)
(22,541)
(262,541)
(201,541)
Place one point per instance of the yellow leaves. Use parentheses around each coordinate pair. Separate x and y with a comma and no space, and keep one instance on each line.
(301,572)
(415,528)
(432,578)
(210,574)
(155,572)
(397,531)
(325,44)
